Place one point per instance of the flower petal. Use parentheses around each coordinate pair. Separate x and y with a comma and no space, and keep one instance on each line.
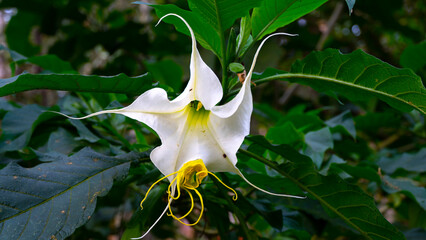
(192,139)
(270,193)
(203,84)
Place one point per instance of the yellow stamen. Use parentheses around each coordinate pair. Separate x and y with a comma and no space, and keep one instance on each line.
(159,180)
(235,197)
(177,186)
(189,177)
(199,217)
(199,106)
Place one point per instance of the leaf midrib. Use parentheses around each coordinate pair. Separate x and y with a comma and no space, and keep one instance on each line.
(62,192)
(272,21)
(337,81)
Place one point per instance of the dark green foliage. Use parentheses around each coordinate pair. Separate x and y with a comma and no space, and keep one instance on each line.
(342,141)
(339,198)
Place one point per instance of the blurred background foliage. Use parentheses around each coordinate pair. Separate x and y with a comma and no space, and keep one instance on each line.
(108,37)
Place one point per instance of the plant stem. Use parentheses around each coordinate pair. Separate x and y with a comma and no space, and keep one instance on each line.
(225,82)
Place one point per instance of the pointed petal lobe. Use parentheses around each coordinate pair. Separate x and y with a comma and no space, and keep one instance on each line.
(203,84)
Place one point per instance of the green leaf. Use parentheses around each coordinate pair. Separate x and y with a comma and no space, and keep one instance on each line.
(317,143)
(410,162)
(339,198)
(69,82)
(143,219)
(359,77)
(18,32)
(204,34)
(61,141)
(52,199)
(273,14)
(18,126)
(208,19)
(343,120)
(407,187)
(284,134)
(244,35)
(85,133)
(13,54)
(221,14)
(413,56)
(360,172)
(166,72)
(52,63)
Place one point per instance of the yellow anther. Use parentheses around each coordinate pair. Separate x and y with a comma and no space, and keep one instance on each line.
(199,106)
(235,197)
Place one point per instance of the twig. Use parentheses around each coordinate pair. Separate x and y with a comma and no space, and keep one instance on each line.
(330,24)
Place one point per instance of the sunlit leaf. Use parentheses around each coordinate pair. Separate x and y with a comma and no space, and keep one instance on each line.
(52,199)
(273,14)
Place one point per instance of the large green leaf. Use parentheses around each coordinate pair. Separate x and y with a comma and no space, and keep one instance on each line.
(273,14)
(357,76)
(208,19)
(52,199)
(221,14)
(69,82)
(339,198)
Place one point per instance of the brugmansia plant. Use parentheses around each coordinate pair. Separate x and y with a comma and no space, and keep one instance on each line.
(192,156)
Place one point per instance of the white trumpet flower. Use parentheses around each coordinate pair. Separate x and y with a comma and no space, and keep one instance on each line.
(198,137)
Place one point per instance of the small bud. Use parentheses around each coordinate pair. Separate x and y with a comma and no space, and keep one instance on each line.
(236,67)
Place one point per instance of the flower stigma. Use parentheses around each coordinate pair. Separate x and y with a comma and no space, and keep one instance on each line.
(189,178)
